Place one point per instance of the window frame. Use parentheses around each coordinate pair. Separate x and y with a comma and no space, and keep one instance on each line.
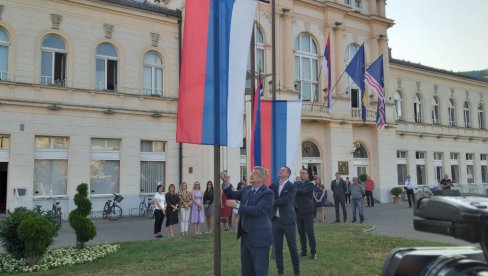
(481,116)
(435,111)
(301,55)
(154,71)
(106,59)
(467,115)
(4,75)
(451,112)
(398,105)
(54,54)
(417,108)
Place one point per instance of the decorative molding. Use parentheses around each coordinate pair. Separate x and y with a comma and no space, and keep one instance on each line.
(452,91)
(1,11)
(481,96)
(418,83)
(55,21)
(307,26)
(267,15)
(467,93)
(436,87)
(399,82)
(154,39)
(355,38)
(108,29)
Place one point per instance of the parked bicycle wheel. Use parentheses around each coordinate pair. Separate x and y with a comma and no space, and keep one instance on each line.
(142,209)
(106,211)
(58,217)
(116,213)
(150,211)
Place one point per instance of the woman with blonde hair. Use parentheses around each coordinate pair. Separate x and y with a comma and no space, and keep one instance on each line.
(185,203)
(197,212)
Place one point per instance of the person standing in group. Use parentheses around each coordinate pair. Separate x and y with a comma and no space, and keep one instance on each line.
(319,196)
(446,183)
(357,194)
(225,211)
(369,187)
(408,186)
(208,197)
(256,203)
(284,220)
(304,211)
(185,203)
(348,194)
(339,188)
(159,208)
(172,203)
(197,212)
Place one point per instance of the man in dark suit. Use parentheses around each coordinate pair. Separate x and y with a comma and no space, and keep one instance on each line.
(284,220)
(304,210)
(256,202)
(339,188)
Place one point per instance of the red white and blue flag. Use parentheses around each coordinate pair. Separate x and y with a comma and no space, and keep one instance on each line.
(275,136)
(215,50)
(374,78)
(327,68)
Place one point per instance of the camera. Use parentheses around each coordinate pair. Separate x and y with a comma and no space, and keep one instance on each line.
(464,218)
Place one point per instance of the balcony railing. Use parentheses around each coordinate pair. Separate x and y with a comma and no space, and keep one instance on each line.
(319,110)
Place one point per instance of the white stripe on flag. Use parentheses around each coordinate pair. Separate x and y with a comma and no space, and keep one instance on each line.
(240,36)
(293,120)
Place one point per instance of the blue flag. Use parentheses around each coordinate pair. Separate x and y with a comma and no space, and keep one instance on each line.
(355,70)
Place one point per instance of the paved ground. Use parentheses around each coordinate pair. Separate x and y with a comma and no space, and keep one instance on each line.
(386,219)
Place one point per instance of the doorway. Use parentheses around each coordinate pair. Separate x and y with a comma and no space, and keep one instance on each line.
(3,187)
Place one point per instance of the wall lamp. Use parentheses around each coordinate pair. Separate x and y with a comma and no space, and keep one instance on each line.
(109,111)
(54,106)
(337,24)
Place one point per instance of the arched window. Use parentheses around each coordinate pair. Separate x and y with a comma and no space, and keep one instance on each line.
(398,106)
(310,149)
(467,119)
(153,74)
(4,43)
(435,111)
(306,67)
(451,112)
(53,61)
(106,67)
(359,151)
(417,108)
(481,116)
(353,89)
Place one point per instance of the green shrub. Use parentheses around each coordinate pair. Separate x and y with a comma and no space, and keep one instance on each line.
(36,233)
(362,178)
(84,228)
(9,237)
(396,191)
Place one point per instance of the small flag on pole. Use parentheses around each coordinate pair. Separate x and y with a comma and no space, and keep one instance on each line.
(374,78)
(355,70)
(327,67)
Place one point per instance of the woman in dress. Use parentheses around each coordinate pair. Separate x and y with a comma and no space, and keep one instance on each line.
(185,203)
(172,203)
(225,211)
(208,197)
(319,196)
(348,193)
(159,206)
(197,212)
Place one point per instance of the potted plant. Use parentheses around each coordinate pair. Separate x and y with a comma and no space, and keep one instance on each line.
(396,192)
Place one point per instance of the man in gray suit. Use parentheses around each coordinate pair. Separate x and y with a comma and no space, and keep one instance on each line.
(339,188)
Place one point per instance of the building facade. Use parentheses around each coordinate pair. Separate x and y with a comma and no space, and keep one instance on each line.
(89,90)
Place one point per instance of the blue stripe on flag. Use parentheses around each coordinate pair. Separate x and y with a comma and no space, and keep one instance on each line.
(257,130)
(214,120)
(279,139)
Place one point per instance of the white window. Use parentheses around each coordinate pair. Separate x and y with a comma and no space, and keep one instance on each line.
(481,116)
(401,154)
(352,88)
(398,106)
(106,67)
(438,170)
(4,142)
(435,111)
(417,108)
(438,156)
(454,166)
(484,168)
(401,166)
(153,164)
(105,166)
(420,167)
(469,156)
(153,74)
(259,57)
(451,112)
(53,61)
(467,120)
(357,4)
(306,67)
(419,155)
(51,166)
(454,156)
(4,44)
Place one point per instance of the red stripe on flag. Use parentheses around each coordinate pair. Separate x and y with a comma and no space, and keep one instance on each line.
(266,136)
(193,72)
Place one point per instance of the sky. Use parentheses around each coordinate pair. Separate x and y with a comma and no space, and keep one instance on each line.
(444,34)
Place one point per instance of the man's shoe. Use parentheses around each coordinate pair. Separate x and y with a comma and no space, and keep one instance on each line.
(362,221)
(313,257)
(353,221)
(303,254)
(337,220)
(280,274)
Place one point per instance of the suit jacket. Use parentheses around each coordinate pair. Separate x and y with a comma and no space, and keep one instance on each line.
(304,198)
(285,202)
(339,189)
(254,214)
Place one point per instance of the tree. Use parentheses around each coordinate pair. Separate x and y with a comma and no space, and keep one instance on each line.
(84,228)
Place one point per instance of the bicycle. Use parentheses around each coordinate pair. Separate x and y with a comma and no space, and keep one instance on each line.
(57,210)
(146,208)
(112,210)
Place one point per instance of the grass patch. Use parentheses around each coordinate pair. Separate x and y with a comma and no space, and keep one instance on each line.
(342,249)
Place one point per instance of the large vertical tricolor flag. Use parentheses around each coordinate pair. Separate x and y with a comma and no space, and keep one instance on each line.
(278,133)
(355,70)
(374,77)
(327,68)
(256,128)
(213,71)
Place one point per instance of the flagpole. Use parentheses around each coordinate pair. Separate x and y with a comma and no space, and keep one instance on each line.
(332,89)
